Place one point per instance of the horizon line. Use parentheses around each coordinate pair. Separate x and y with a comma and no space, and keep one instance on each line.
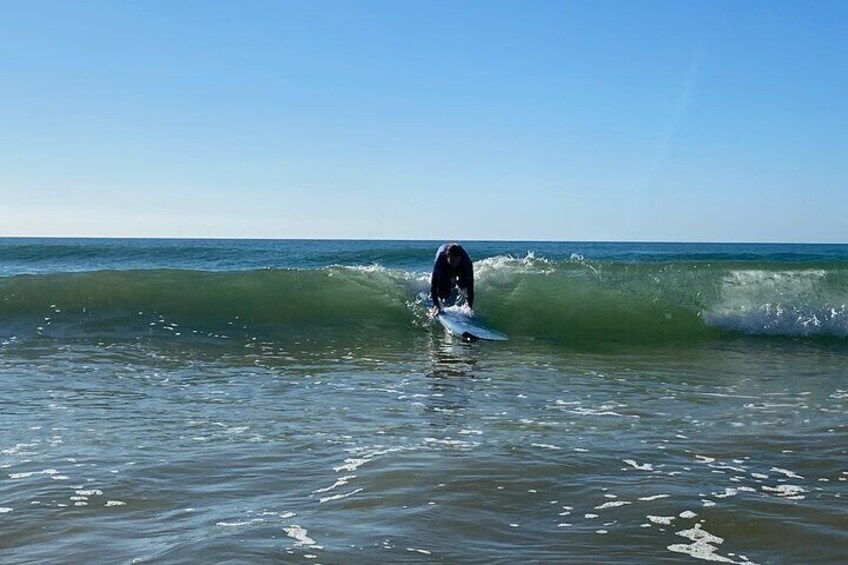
(388,239)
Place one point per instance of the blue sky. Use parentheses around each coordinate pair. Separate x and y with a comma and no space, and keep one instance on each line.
(680,121)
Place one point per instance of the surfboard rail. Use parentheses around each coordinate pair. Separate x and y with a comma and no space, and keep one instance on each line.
(464,326)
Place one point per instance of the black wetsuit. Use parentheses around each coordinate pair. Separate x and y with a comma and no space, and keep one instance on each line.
(445,277)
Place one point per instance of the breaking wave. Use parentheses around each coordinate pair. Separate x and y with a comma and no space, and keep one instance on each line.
(563,300)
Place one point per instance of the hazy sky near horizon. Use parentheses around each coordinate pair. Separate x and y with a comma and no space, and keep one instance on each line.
(683,121)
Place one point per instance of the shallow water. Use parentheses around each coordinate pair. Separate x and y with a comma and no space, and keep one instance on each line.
(164,434)
(427,450)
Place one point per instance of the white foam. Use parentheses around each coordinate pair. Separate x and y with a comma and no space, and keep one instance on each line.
(49,472)
(612,504)
(728,492)
(340,496)
(786,472)
(300,535)
(544,446)
(20,447)
(421,551)
(601,411)
(569,403)
(663,520)
(340,482)
(93,492)
(240,523)
(654,497)
(643,467)
(501,267)
(352,464)
(703,546)
(793,492)
(728,468)
(687,514)
(448,442)
(283,515)
(115,503)
(367,454)
(5,509)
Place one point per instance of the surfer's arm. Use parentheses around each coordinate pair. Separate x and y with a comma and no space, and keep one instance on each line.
(434,284)
(434,294)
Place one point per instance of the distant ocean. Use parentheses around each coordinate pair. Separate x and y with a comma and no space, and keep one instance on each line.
(210,401)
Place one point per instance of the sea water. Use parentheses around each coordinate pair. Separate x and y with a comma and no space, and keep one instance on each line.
(206,401)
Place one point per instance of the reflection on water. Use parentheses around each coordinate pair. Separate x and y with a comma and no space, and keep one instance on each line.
(451,357)
(452,366)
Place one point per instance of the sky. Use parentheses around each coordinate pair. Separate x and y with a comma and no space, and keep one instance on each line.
(520,120)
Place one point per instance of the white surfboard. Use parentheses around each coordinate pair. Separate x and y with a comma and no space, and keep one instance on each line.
(460,324)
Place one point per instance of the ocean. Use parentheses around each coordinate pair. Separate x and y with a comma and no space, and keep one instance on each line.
(235,401)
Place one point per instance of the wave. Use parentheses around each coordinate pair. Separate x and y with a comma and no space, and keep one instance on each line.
(565,301)
(672,301)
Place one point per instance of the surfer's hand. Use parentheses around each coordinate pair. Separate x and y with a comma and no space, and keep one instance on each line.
(434,311)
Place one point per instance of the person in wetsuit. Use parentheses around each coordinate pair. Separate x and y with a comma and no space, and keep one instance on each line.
(452,269)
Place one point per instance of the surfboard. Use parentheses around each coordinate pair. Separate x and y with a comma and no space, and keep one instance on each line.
(462,325)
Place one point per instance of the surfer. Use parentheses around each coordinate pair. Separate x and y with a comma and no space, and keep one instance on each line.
(452,269)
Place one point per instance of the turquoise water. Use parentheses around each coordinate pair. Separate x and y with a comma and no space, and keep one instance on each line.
(171,401)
